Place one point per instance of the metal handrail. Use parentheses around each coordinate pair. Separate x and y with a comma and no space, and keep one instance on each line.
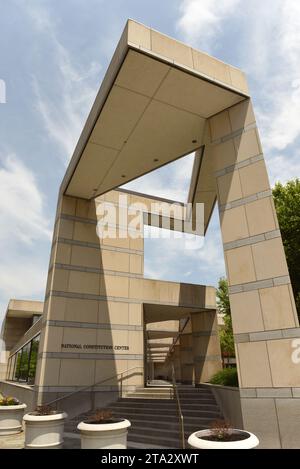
(177,337)
(180,415)
(95,384)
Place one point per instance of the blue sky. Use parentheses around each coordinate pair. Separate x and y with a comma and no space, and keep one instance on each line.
(53,56)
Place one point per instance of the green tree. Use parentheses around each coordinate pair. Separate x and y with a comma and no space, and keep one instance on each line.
(287,204)
(223,305)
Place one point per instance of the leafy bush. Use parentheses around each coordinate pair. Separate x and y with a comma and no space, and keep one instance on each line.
(43,410)
(226,377)
(101,416)
(8,400)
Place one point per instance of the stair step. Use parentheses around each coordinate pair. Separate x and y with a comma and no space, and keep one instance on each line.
(158,408)
(189,418)
(162,432)
(164,403)
(136,445)
(170,443)
(170,425)
(149,396)
(154,390)
(194,391)
(149,420)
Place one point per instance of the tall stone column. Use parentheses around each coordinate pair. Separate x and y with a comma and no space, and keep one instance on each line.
(91,329)
(175,357)
(205,346)
(265,323)
(186,359)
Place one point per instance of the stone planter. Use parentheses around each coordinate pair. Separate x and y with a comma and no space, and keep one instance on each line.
(196,441)
(104,435)
(44,431)
(11,418)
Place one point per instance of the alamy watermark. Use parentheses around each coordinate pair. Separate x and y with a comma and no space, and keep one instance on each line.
(127,220)
(2,92)
(296,352)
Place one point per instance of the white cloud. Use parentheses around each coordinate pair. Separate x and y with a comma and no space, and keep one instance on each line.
(266,42)
(170,182)
(280,121)
(24,278)
(172,259)
(283,167)
(21,203)
(23,232)
(64,115)
(201,20)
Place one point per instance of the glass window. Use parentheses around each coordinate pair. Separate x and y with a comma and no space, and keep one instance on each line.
(12,367)
(22,365)
(8,368)
(18,365)
(23,373)
(33,359)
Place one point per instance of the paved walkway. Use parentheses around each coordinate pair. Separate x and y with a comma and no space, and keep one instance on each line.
(17,441)
(12,441)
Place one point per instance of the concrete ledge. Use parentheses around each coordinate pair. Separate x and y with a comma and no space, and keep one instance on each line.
(228,399)
(26,394)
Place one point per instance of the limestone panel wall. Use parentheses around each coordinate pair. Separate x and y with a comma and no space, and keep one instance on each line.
(13,331)
(93,327)
(92,331)
(264,318)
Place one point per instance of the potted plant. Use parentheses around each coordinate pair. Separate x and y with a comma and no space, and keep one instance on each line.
(104,431)
(44,428)
(223,436)
(11,414)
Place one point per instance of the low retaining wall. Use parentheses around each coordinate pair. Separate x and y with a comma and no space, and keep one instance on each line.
(229,401)
(25,394)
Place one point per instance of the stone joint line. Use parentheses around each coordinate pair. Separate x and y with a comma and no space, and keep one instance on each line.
(240,164)
(272,282)
(248,393)
(277,334)
(234,134)
(91,325)
(252,240)
(88,244)
(89,296)
(94,270)
(245,200)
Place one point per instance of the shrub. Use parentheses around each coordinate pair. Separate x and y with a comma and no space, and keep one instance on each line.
(8,400)
(44,410)
(101,416)
(226,377)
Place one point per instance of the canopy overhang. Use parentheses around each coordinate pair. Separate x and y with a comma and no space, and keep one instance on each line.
(150,110)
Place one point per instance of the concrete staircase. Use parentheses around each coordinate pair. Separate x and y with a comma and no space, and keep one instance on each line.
(153,415)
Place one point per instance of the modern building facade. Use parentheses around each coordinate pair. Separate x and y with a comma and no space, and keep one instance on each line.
(105,325)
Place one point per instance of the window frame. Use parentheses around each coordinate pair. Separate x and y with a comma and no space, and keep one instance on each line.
(11,374)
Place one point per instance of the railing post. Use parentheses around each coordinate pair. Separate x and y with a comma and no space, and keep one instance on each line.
(93,400)
(180,415)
